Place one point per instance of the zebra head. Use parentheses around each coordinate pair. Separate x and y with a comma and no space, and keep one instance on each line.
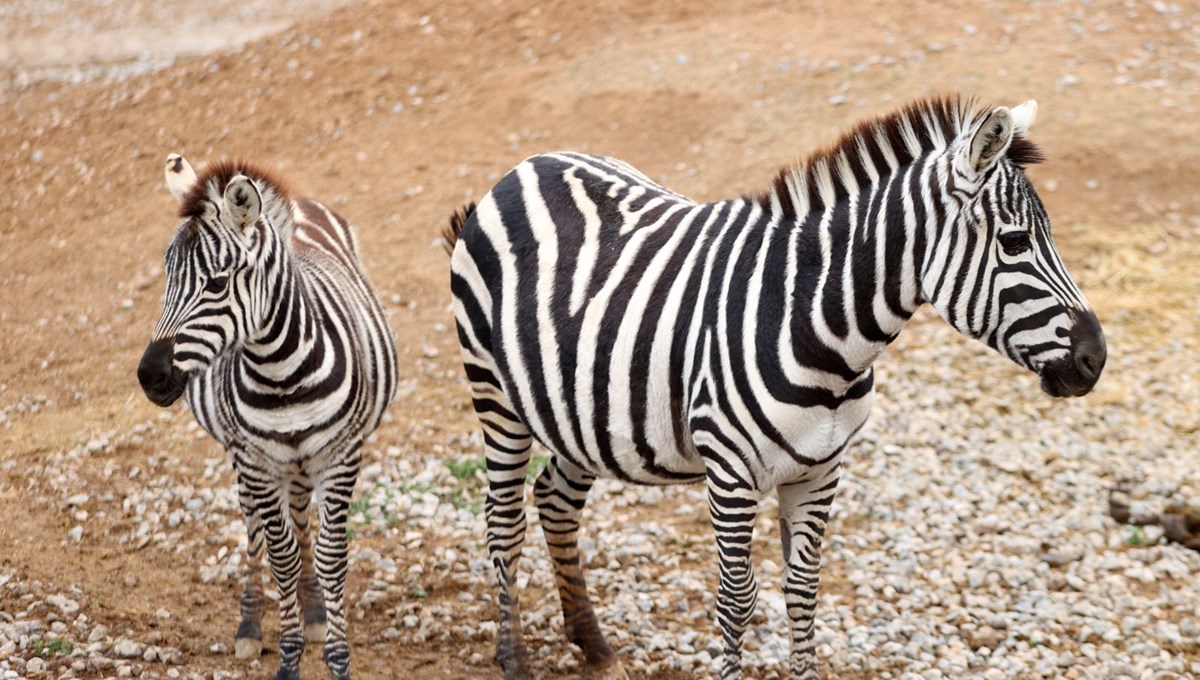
(214,270)
(996,275)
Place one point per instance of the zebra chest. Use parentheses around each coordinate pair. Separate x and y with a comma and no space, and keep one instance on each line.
(283,430)
(810,436)
(780,442)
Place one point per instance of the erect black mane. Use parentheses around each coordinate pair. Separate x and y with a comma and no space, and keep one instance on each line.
(933,123)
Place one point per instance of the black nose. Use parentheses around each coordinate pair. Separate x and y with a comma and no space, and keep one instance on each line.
(1089,350)
(156,372)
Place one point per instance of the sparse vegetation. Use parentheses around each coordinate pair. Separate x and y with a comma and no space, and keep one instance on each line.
(1135,535)
(464,469)
(51,647)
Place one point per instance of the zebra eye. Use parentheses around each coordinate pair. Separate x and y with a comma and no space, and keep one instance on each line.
(216,284)
(1014,242)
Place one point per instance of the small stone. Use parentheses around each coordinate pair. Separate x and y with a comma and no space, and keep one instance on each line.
(127,649)
(65,604)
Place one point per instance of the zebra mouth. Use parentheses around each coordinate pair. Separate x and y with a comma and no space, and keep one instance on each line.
(171,394)
(1061,379)
(1052,385)
(165,389)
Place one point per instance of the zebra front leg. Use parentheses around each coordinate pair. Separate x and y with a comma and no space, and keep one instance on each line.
(283,551)
(734,509)
(248,639)
(561,491)
(312,601)
(334,490)
(804,508)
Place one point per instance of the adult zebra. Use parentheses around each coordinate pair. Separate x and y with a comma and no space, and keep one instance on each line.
(271,327)
(639,335)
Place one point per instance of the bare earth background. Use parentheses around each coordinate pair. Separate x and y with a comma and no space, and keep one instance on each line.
(397,112)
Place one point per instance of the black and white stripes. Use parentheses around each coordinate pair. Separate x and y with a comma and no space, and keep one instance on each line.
(271,327)
(639,335)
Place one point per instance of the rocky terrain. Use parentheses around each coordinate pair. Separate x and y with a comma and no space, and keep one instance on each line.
(972,534)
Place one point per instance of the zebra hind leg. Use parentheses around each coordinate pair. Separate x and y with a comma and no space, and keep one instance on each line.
(561,491)
(506,448)
(248,639)
(804,507)
(335,488)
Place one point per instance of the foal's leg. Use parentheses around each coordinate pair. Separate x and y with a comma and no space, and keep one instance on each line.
(335,486)
(804,508)
(312,602)
(283,550)
(561,492)
(248,639)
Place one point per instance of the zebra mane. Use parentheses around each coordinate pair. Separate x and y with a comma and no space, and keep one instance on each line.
(210,184)
(930,124)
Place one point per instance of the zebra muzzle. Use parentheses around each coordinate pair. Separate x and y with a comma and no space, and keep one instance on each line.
(1076,374)
(161,381)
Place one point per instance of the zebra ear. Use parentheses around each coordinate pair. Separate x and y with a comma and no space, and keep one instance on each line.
(991,140)
(243,204)
(1023,117)
(180,176)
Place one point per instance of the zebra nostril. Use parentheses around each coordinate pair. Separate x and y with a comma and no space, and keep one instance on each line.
(1088,365)
(1089,360)
(1090,351)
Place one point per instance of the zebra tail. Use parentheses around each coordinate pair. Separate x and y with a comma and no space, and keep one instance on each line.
(457,221)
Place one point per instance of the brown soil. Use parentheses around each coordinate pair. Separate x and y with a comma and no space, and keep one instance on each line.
(400,111)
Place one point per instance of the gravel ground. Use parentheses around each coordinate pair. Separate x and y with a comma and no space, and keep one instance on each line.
(970,536)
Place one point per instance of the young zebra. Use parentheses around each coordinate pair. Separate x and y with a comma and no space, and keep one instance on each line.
(271,327)
(642,336)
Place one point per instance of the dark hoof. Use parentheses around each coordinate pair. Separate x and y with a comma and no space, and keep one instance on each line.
(314,612)
(288,674)
(516,666)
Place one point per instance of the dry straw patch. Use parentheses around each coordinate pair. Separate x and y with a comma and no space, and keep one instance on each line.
(1147,274)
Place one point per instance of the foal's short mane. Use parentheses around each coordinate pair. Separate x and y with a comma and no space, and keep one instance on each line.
(933,123)
(218,175)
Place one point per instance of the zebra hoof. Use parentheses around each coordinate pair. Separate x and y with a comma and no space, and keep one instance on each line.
(314,632)
(516,670)
(612,670)
(288,674)
(247,648)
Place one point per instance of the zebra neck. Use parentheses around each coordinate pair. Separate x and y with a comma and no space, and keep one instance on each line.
(855,265)
(292,349)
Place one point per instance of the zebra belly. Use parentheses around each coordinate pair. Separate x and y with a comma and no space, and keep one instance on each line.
(646,451)
(645,454)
